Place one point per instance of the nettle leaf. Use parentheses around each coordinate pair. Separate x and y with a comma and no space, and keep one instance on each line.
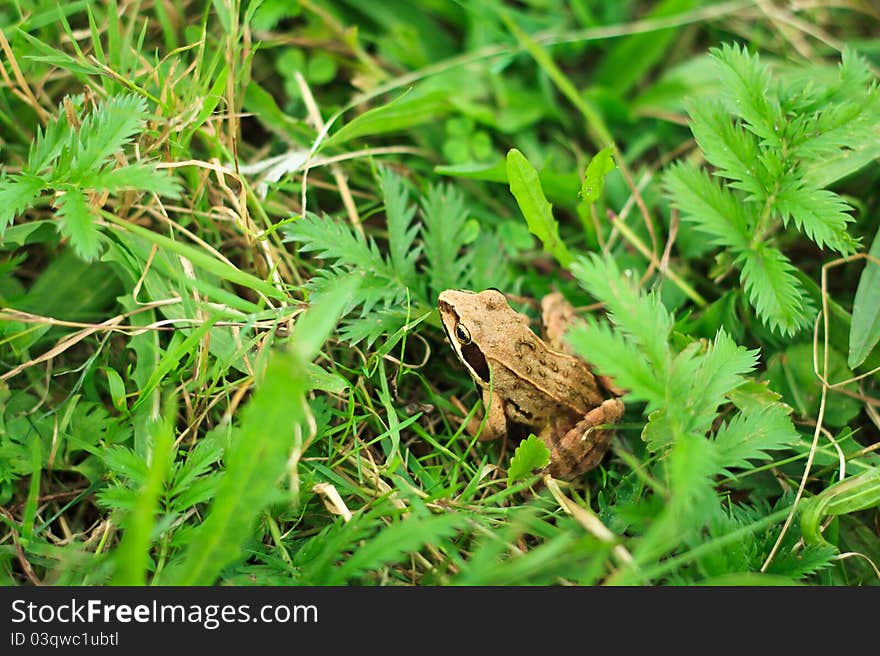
(77,223)
(820,214)
(713,209)
(445,222)
(728,147)
(525,185)
(749,435)
(530,456)
(774,291)
(749,91)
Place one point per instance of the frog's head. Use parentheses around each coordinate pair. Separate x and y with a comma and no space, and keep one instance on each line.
(478,325)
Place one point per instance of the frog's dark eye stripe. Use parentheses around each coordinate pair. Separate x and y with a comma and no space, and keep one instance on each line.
(462,334)
(474,358)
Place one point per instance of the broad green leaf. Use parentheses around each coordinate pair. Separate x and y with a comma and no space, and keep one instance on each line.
(600,165)
(403,113)
(864,332)
(526,188)
(496,172)
(791,373)
(313,327)
(530,456)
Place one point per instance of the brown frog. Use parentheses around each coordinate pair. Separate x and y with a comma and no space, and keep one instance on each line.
(528,384)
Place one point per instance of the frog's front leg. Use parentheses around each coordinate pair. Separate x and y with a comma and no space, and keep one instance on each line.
(582,448)
(496,421)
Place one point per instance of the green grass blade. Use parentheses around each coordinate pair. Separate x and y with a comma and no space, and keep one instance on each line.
(132,557)
(258,455)
(864,332)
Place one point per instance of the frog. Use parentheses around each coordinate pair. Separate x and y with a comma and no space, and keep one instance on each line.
(531,384)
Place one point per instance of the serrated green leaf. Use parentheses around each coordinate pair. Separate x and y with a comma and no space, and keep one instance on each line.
(141,176)
(713,209)
(642,317)
(17,193)
(537,211)
(77,223)
(601,164)
(820,214)
(402,232)
(48,144)
(728,147)
(720,370)
(749,435)
(776,294)
(864,332)
(445,219)
(530,456)
(106,130)
(750,91)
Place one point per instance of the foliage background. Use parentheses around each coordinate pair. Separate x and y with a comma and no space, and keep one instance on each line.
(225,225)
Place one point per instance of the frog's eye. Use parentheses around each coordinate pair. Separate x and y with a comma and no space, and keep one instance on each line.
(462,334)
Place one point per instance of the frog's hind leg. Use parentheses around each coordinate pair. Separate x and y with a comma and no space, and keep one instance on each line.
(583,447)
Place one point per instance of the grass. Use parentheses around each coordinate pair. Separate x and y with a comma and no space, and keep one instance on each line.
(220,355)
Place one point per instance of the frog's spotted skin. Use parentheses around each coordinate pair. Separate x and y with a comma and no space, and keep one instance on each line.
(529,385)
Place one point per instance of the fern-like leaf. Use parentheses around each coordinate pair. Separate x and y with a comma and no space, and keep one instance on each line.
(612,355)
(106,130)
(132,176)
(712,209)
(774,291)
(401,230)
(444,219)
(48,144)
(333,240)
(78,223)
(720,370)
(820,214)
(643,318)
(728,147)
(17,193)
(749,90)
(749,435)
